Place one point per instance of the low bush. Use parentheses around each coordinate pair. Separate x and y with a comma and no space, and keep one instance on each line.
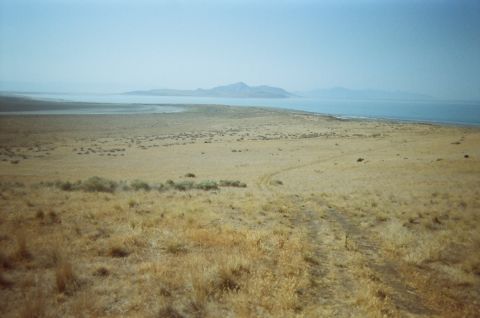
(232,183)
(183,185)
(67,185)
(140,185)
(98,184)
(207,185)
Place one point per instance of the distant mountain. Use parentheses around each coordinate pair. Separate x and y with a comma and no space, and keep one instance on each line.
(239,89)
(345,93)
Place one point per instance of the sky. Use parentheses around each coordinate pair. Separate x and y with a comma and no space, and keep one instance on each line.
(430,47)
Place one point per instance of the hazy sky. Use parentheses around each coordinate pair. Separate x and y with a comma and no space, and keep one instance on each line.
(427,46)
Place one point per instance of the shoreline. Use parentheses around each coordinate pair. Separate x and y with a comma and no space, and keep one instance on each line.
(36,107)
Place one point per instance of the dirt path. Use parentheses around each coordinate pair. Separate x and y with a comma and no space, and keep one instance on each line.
(402,296)
(264,182)
(332,283)
(336,285)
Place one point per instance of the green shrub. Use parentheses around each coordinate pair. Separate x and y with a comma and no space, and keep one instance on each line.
(184,185)
(190,175)
(66,185)
(207,185)
(98,184)
(140,185)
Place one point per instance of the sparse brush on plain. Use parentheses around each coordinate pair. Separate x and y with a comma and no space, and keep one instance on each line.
(92,184)
(97,184)
(140,185)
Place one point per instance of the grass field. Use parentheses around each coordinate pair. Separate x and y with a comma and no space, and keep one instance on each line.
(237,212)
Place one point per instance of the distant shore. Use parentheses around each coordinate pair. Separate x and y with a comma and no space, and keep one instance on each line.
(17,105)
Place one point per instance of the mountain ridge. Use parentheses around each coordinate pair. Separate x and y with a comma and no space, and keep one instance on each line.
(239,89)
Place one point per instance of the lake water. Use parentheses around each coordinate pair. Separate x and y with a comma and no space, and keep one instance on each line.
(450,112)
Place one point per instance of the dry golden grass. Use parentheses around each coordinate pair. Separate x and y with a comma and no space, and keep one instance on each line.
(292,225)
(187,251)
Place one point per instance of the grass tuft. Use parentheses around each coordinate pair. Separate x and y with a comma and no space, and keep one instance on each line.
(119,251)
(65,279)
(176,248)
(102,271)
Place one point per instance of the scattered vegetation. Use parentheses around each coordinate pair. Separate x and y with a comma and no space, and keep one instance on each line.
(232,183)
(207,185)
(98,184)
(140,185)
(93,184)
(183,185)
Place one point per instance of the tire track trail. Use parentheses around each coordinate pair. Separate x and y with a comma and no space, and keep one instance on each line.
(264,181)
(333,284)
(404,297)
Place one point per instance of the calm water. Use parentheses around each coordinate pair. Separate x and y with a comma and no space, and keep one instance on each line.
(451,112)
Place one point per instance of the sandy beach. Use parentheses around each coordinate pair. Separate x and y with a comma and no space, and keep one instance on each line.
(222,211)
